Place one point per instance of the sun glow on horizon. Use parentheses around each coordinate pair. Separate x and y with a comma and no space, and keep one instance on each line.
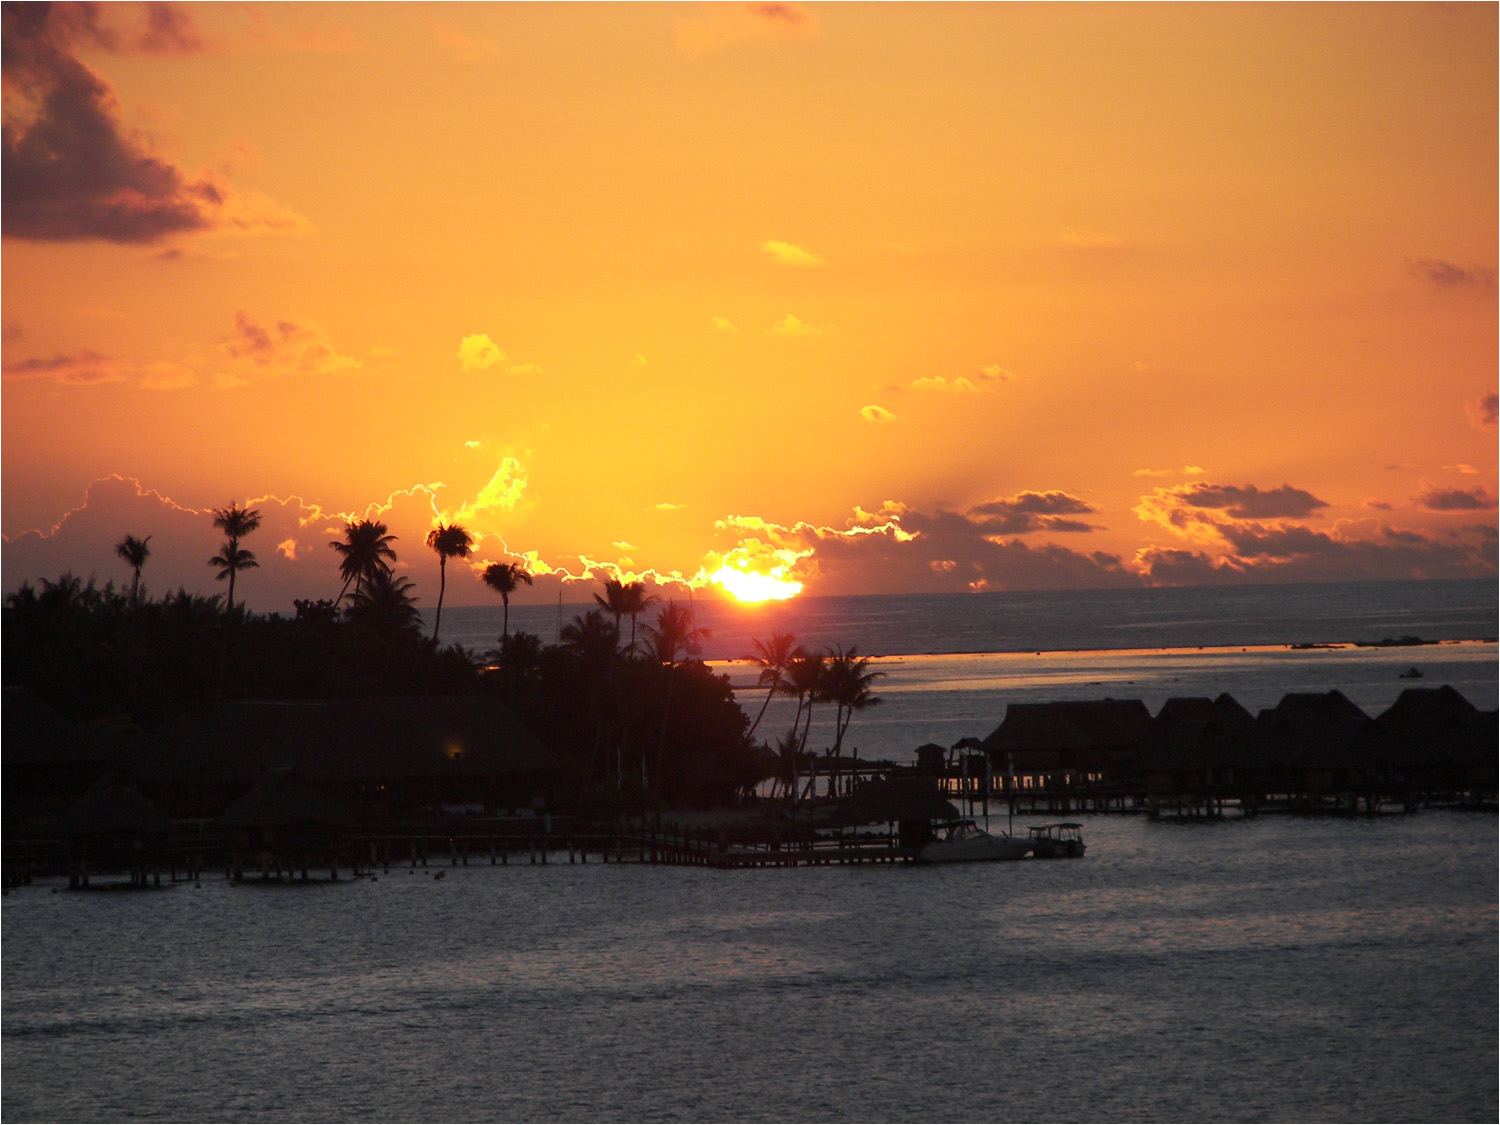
(747,586)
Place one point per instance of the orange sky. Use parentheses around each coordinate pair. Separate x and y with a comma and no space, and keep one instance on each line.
(895,297)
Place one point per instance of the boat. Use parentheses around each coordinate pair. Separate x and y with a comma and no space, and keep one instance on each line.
(1056,841)
(963,841)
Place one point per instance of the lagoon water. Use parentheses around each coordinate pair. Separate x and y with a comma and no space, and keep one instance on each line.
(1264,970)
(1278,969)
(950,663)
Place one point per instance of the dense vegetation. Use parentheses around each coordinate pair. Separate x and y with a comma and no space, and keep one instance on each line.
(636,717)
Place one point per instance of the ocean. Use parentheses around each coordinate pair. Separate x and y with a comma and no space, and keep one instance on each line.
(1272,969)
(951,663)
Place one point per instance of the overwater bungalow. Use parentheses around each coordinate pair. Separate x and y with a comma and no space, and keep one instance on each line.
(1068,743)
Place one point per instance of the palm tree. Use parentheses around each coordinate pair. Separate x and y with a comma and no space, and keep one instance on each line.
(774,658)
(363,553)
(591,638)
(625,599)
(236,523)
(504,578)
(846,684)
(231,560)
(384,604)
(450,541)
(673,633)
(135,552)
(804,680)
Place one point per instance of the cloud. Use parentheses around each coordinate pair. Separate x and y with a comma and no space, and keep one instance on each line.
(786,254)
(668,506)
(984,379)
(1251,534)
(1483,410)
(720,25)
(790,326)
(1186,470)
(1089,240)
(479,353)
(71,169)
(876,414)
(287,347)
(638,361)
(1446,275)
(723,324)
(1247,502)
(499,496)
(74,369)
(1028,512)
(1457,499)
(464,48)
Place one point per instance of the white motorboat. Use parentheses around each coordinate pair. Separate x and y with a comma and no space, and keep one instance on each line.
(963,841)
(1056,841)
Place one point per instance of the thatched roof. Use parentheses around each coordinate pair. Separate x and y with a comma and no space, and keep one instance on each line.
(281,799)
(895,799)
(112,808)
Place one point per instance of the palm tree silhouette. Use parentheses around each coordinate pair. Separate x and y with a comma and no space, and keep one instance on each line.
(774,658)
(591,638)
(236,523)
(363,553)
(135,552)
(384,604)
(504,578)
(846,684)
(625,599)
(673,633)
(450,541)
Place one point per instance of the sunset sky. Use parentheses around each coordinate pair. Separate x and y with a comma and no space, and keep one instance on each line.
(873,297)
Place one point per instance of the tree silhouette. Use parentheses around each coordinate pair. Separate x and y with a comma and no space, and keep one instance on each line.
(135,552)
(504,578)
(384,604)
(774,658)
(846,684)
(363,553)
(591,639)
(236,523)
(673,633)
(625,599)
(450,541)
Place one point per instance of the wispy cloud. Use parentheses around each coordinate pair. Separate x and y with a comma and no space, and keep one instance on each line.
(463,47)
(1089,240)
(1446,275)
(984,379)
(286,347)
(877,415)
(479,353)
(788,254)
(719,25)
(1474,499)
(791,326)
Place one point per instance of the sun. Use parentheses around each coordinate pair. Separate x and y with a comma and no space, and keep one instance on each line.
(747,586)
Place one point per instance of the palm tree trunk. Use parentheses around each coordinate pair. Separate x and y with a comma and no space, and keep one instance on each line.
(769,696)
(437,618)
